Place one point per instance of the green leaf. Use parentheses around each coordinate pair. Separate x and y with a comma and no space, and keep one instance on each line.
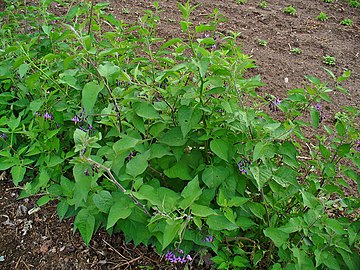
(340,129)
(159,150)
(125,144)
(103,201)
(344,149)
(172,228)
(170,43)
(89,96)
(82,184)
(245,223)
(258,150)
(277,236)
(62,207)
(138,164)
(85,223)
(213,176)
(202,210)
(326,258)
(315,117)
(173,137)
(257,209)
(261,175)
(352,261)
(119,210)
(188,118)
(179,170)
(220,148)
(220,223)
(309,200)
(108,70)
(335,225)
(146,110)
(23,69)
(190,193)
(43,200)
(324,151)
(18,173)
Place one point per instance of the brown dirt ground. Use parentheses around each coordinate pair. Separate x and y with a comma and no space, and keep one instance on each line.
(40,241)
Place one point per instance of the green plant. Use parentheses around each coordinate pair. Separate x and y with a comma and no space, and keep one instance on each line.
(290,10)
(262,42)
(347,22)
(354,3)
(322,17)
(263,4)
(296,51)
(169,143)
(241,2)
(329,60)
(329,1)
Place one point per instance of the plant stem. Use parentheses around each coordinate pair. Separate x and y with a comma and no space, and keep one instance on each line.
(115,182)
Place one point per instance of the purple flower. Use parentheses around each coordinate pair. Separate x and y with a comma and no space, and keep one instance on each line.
(242,166)
(76,119)
(357,147)
(38,114)
(207,35)
(209,239)
(48,116)
(3,136)
(273,106)
(213,46)
(318,106)
(171,257)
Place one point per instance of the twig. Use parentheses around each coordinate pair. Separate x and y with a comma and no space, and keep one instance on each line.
(115,182)
(116,251)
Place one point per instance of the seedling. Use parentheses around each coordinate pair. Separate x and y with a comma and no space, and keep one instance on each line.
(346,22)
(290,10)
(322,17)
(329,1)
(329,60)
(354,3)
(296,51)
(262,42)
(263,4)
(241,2)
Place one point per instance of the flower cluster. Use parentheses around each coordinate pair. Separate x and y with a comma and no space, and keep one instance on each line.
(357,146)
(80,119)
(319,109)
(273,105)
(171,257)
(209,239)
(242,165)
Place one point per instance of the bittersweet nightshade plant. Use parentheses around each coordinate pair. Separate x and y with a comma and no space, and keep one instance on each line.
(175,147)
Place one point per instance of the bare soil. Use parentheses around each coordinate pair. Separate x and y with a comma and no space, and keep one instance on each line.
(40,241)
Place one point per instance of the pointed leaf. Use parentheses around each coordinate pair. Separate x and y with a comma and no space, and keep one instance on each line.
(220,148)
(85,223)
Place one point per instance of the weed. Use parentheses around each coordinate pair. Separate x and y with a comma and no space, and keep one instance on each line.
(354,3)
(262,42)
(346,22)
(263,4)
(241,2)
(322,17)
(329,60)
(296,51)
(290,10)
(125,11)
(329,1)
(174,146)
